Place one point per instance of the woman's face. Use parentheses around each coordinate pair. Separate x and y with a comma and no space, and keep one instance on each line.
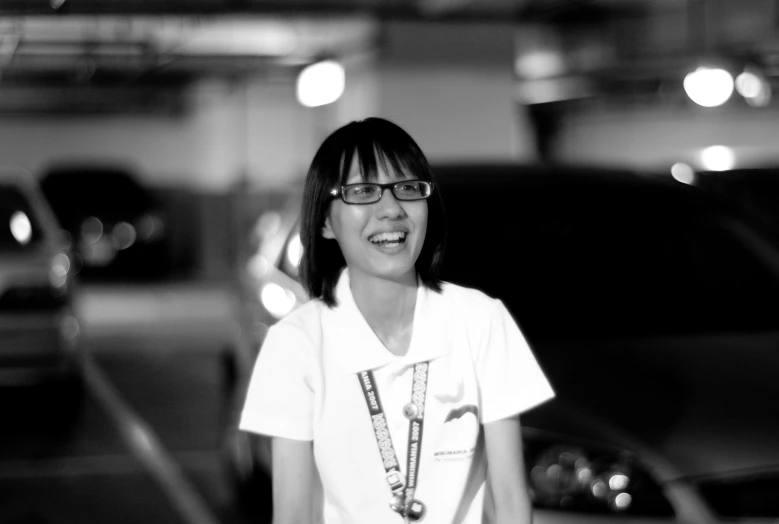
(382,239)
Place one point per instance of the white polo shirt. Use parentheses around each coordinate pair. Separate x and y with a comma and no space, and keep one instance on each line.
(305,386)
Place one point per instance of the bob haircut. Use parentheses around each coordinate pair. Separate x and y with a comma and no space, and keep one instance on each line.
(375,141)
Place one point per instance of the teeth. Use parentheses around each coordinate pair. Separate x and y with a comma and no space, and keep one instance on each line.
(395,236)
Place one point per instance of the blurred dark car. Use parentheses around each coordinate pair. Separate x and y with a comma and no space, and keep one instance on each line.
(749,192)
(40,339)
(652,309)
(117,224)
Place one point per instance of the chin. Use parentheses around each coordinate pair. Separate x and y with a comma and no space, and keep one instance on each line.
(396,273)
(405,276)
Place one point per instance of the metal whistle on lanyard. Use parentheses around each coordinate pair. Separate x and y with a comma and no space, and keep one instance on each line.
(414,511)
(411,510)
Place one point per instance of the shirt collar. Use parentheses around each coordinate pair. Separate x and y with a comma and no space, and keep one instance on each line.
(357,348)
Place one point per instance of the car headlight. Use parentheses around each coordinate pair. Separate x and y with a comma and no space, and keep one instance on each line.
(587,478)
(21,227)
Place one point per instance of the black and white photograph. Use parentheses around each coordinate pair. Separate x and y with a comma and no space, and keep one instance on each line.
(389,261)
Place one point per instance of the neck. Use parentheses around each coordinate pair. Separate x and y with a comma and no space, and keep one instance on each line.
(388,307)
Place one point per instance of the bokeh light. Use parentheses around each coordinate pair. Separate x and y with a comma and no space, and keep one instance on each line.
(584,475)
(124,235)
(753,86)
(683,173)
(539,64)
(321,83)
(622,501)
(149,227)
(69,327)
(60,264)
(21,227)
(294,250)
(91,230)
(277,300)
(718,158)
(257,266)
(58,272)
(709,87)
(268,224)
(599,489)
(618,482)
(748,85)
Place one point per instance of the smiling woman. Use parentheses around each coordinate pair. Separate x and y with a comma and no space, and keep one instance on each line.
(360,431)
(371,151)
(391,226)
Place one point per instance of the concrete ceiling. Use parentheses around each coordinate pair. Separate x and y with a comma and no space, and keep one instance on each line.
(154,46)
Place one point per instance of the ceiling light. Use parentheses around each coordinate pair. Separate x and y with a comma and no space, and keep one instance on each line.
(321,83)
(709,87)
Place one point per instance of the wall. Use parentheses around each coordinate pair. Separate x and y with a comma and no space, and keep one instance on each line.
(658,137)
(154,144)
(450,85)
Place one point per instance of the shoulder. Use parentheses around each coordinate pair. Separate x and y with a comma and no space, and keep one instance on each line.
(308,314)
(466,300)
(473,311)
(301,327)
(457,291)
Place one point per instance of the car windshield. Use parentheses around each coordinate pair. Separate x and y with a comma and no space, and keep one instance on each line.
(575,258)
(75,194)
(750,192)
(19,228)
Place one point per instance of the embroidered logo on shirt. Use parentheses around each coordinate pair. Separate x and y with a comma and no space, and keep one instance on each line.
(459,434)
(462,410)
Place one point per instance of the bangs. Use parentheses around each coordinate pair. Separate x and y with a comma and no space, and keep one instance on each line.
(399,160)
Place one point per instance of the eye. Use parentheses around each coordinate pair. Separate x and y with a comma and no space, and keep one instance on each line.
(409,188)
(363,190)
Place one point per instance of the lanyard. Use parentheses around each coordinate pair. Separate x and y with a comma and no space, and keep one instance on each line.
(402,489)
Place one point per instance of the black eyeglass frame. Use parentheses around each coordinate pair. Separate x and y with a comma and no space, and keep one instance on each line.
(339,191)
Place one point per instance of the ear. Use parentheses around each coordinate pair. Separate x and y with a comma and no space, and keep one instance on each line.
(327,229)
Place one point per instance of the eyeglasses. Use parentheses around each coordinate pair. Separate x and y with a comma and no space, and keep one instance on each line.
(364,193)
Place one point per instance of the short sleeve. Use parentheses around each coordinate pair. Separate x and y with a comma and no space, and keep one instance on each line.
(510,379)
(279,400)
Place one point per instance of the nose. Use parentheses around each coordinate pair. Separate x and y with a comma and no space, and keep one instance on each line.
(388,206)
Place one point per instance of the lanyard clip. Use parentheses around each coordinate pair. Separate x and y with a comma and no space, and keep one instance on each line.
(396,480)
(415,510)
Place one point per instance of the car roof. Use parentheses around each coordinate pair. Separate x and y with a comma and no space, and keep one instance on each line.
(111,191)
(550,241)
(508,174)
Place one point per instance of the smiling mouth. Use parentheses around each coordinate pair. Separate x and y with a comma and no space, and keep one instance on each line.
(392,239)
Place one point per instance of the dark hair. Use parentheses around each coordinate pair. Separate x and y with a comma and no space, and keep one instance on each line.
(373,140)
